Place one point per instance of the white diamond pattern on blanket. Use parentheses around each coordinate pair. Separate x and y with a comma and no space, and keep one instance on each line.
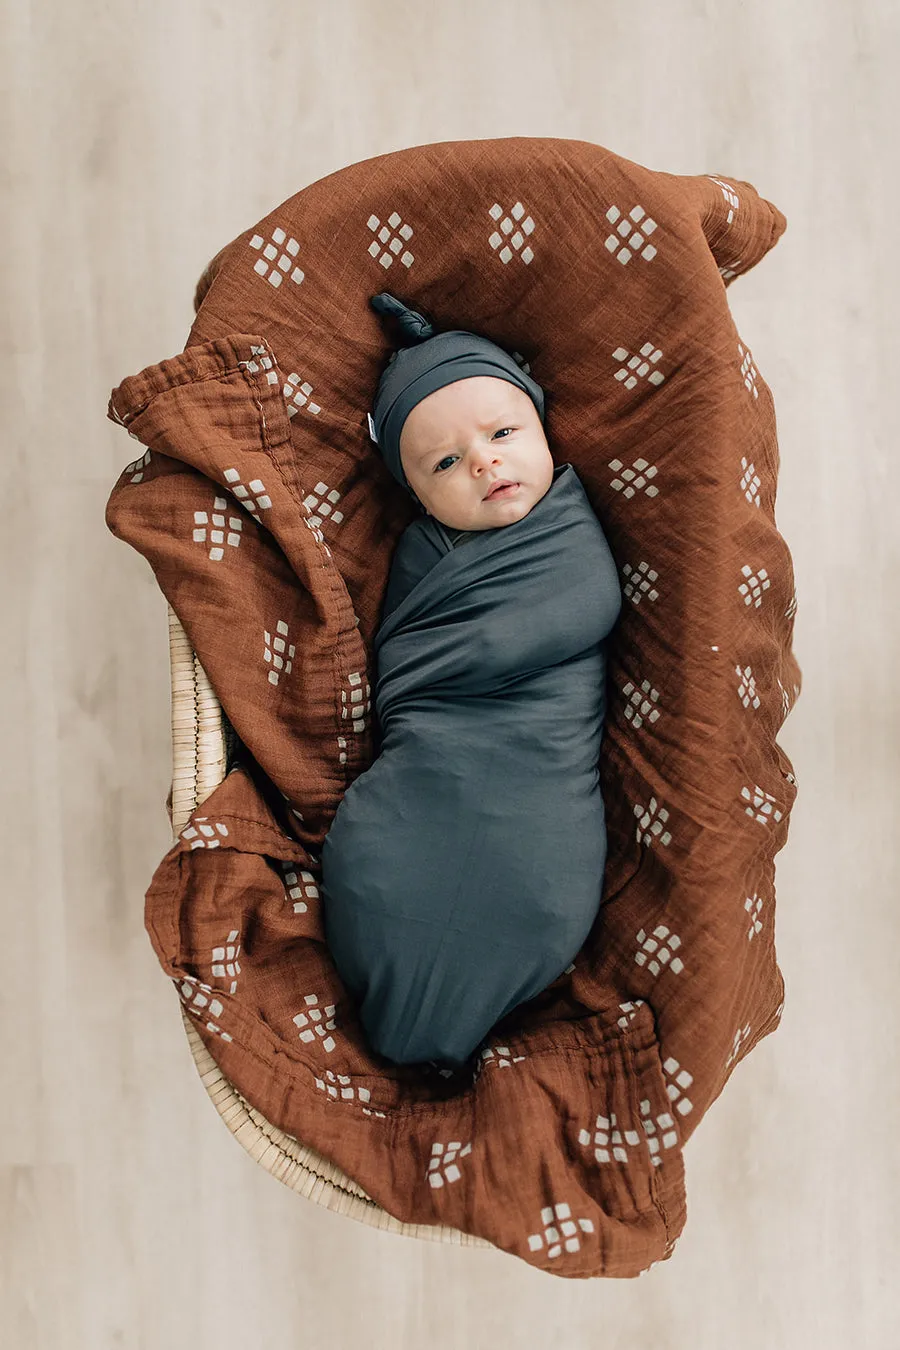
(297,395)
(750,481)
(277,258)
(514,228)
(321,503)
(626,230)
(730,195)
(637,366)
(640,703)
(733,201)
(659,948)
(681,1081)
(442,1164)
(740,1037)
(299,886)
(499,1056)
(753,587)
(747,687)
(200,1000)
(790,612)
(265,363)
(313,525)
(785,700)
(762,805)
(610,1143)
(748,370)
(253,496)
(219,535)
(225,960)
(639,582)
(136,467)
(278,653)
(394,234)
(340,1085)
(560,1231)
(204,835)
(636,479)
(630,1011)
(315,1021)
(358,705)
(645,816)
(660,1131)
(753,904)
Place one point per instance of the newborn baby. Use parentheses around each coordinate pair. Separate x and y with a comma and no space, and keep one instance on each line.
(464,868)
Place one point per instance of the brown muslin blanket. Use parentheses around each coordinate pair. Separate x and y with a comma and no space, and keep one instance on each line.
(270,520)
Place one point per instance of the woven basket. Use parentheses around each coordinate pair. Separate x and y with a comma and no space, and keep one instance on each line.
(203,745)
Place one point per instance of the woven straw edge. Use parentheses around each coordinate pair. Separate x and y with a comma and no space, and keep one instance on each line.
(199,761)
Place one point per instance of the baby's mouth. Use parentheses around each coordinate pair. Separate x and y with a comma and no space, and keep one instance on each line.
(507,490)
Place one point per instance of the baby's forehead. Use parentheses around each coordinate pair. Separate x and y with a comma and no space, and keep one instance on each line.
(489,398)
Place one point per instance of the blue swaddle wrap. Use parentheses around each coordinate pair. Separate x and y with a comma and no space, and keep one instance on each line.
(464,868)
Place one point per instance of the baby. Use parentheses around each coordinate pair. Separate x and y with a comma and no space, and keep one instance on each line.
(464,869)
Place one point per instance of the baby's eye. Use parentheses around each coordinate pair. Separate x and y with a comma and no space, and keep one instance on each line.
(437,467)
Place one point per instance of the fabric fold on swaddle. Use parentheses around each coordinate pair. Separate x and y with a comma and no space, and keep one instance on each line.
(464,868)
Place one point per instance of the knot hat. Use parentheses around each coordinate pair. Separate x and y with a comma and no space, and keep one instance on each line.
(426,361)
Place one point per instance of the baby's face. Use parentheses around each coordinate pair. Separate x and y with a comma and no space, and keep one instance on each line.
(468,435)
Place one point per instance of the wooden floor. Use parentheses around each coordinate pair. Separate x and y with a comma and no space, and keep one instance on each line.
(139,138)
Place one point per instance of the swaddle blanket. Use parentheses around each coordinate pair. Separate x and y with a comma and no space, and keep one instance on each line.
(256,496)
(464,869)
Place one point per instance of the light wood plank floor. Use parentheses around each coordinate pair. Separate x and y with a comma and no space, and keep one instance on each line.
(138,139)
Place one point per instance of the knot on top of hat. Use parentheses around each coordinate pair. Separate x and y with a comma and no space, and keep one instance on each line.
(414,327)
